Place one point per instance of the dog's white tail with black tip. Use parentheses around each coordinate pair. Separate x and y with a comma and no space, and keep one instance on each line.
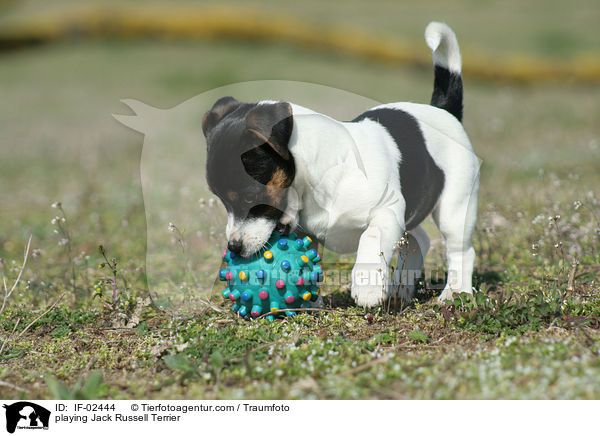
(447,85)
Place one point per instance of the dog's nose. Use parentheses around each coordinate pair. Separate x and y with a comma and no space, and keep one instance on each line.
(235,246)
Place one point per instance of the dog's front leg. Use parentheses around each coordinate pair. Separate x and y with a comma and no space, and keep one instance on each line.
(370,275)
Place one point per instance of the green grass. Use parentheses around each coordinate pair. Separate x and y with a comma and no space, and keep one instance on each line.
(524,336)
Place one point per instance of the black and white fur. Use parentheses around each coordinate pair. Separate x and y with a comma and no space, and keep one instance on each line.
(356,185)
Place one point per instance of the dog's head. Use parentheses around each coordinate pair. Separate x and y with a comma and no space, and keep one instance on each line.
(249,167)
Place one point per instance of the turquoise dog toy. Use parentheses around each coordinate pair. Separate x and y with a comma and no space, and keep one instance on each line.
(283,276)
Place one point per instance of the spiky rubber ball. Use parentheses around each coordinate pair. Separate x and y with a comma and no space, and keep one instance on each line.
(282,276)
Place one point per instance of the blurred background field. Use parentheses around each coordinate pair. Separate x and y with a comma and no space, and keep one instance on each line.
(539,142)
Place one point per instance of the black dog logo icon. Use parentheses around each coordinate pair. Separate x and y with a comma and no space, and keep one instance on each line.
(26,415)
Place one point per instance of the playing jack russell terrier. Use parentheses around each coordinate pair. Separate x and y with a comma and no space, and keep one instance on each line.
(360,185)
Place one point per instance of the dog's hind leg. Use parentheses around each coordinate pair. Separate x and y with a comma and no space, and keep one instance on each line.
(409,266)
(455,215)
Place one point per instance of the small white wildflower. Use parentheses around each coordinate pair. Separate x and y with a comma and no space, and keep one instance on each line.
(54,220)
(211,202)
(538,218)
(577,204)
(56,205)
(63,241)
(400,243)
(172,227)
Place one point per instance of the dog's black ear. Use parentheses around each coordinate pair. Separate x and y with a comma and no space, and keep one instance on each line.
(272,124)
(222,107)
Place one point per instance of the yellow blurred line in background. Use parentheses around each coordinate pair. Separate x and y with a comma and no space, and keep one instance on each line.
(242,24)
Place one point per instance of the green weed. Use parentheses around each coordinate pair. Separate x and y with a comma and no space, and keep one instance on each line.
(89,389)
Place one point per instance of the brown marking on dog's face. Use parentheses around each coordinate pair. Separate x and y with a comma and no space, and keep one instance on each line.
(276,186)
(279,178)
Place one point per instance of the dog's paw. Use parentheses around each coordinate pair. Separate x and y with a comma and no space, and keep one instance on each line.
(448,293)
(370,284)
(368,295)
